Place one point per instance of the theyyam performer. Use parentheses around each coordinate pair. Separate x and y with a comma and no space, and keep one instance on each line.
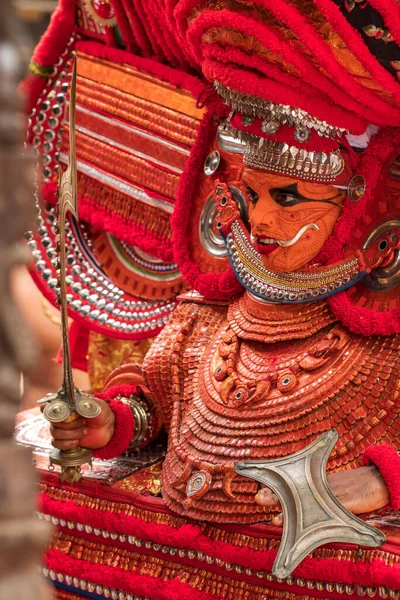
(242,154)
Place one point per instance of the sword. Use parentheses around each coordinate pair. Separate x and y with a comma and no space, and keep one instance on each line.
(69,402)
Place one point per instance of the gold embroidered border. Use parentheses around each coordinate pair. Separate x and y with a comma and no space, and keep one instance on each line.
(127,207)
(141,113)
(202,580)
(103,155)
(139,84)
(214,533)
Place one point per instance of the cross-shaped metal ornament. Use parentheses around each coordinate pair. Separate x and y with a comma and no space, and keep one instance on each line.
(312,515)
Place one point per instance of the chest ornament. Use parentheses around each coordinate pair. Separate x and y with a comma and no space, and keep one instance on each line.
(238,389)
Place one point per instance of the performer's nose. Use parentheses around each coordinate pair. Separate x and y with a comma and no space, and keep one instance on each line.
(264,214)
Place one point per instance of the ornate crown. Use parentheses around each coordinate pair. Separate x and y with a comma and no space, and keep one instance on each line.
(274,133)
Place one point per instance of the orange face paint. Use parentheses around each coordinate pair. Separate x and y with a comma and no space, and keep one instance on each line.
(289,228)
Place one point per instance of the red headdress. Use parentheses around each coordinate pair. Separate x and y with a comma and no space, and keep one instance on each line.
(311,89)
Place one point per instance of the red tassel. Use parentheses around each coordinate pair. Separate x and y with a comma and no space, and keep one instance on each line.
(124,27)
(138,29)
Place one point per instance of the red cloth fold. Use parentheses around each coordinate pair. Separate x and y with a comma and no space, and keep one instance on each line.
(386,459)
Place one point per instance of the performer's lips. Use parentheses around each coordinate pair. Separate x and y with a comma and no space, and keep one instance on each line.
(265,245)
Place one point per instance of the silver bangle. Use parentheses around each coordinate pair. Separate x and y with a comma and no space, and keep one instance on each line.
(142,419)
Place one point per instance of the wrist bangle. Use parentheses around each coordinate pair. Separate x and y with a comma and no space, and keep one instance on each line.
(142,419)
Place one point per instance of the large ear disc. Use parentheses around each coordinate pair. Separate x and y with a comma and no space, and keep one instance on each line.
(199,248)
(372,306)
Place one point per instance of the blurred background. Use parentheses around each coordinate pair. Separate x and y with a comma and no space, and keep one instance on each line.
(41,318)
(35,14)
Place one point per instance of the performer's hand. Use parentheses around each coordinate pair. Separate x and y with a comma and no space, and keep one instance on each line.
(360,491)
(89,433)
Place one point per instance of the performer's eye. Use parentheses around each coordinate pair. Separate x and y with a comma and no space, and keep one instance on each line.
(253,196)
(287,196)
(286,199)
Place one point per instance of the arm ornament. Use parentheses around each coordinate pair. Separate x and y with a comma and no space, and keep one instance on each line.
(142,421)
(123,430)
(387,460)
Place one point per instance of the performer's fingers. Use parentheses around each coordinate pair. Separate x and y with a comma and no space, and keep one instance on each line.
(73,425)
(266,497)
(64,444)
(67,434)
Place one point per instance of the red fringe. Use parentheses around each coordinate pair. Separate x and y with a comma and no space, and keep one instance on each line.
(132,12)
(124,424)
(181,11)
(31,88)
(127,231)
(166,36)
(114,577)
(252,62)
(191,536)
(176,78)
(144,13)
(171,10)
(104,220)
(364,321)
(387,460)
(160,34)
(53,42)
(213,286)
(373,167)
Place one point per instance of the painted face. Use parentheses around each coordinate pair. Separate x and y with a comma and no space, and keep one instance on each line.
(290,219)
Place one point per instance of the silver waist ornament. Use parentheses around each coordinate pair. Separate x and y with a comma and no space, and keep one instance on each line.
(69,402)
(312,515)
